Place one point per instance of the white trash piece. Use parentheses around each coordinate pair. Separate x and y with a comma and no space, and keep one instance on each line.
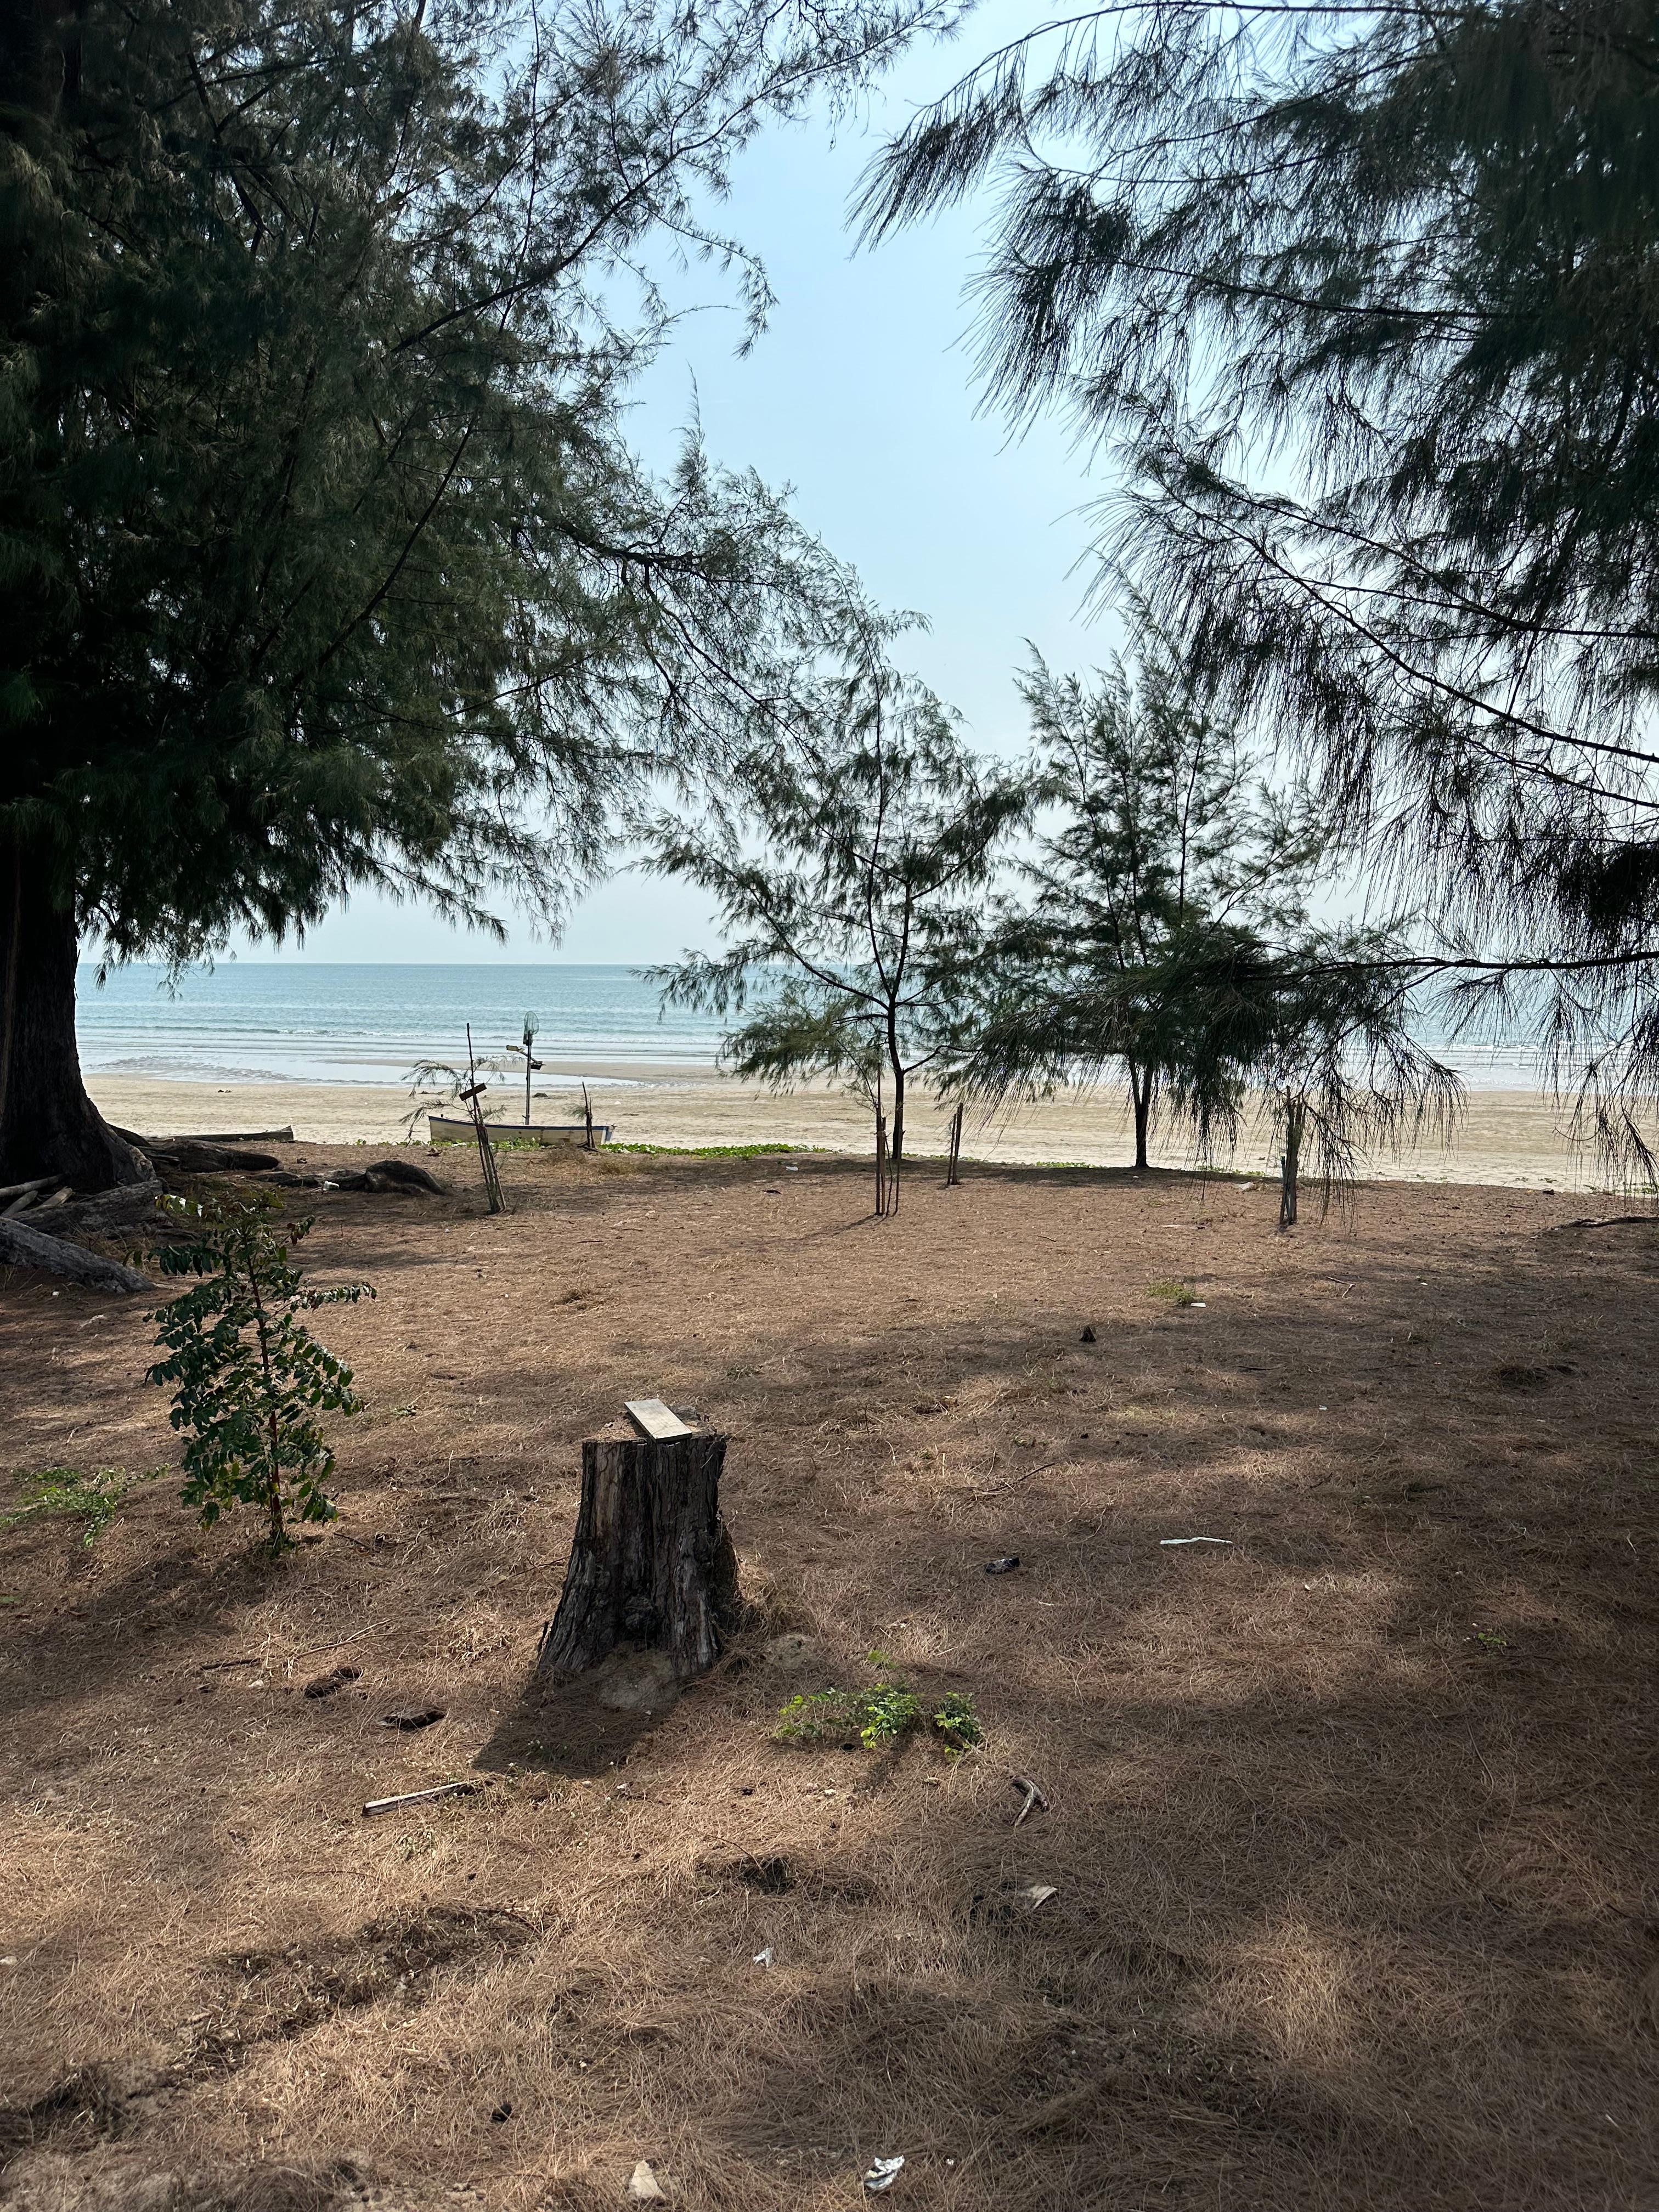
(642,2187)
(763,1958)
(1038,1893)
(884,2172)
(1166,1542)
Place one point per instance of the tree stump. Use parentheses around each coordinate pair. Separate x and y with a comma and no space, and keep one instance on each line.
(651,1564)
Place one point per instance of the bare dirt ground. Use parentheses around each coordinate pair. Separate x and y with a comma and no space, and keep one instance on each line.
(1351,1825)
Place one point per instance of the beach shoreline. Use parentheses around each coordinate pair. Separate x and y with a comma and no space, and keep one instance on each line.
(1515,1138)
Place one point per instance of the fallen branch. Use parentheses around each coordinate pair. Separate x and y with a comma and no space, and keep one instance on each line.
(13,1190)
(376,1805)
(1034,1796)
(187,1157)
(278,1659)
(23,1247)
(16,1195)
(1018,1481)
(198,1155)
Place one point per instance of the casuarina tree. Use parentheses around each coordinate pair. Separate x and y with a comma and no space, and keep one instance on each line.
(850,873)
(1162,837)
(1362,303)
(1163,933)
(324,563)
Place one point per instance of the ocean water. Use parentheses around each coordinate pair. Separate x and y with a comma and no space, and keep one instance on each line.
(300,1021)
(268,1021)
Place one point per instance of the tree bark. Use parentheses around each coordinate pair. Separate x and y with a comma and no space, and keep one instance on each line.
(651,1564)
(48,1125)
(1140,1091)
(896,1158)
(1290,1165)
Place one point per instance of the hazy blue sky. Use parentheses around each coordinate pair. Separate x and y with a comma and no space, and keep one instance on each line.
(859,395)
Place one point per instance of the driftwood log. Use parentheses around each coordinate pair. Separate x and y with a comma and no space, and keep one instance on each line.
(197,1155)
(650,1566)
(386,1176)
(20,1246)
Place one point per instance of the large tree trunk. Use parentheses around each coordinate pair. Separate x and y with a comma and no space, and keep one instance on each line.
(650,1566)
(48,1125)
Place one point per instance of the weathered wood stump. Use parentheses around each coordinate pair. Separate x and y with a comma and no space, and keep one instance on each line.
(651,1564)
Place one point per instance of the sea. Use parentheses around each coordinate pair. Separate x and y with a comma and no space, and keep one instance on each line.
(247,1021)
(267,1021)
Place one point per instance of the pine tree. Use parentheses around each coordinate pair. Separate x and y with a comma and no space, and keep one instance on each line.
(323,562)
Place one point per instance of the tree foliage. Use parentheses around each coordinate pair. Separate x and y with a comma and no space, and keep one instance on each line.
(849,873)
(1163,930)
(1363,302)
(325,561)
(1166,839)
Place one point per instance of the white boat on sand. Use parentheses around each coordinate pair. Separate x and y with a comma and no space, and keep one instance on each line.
(453,1129)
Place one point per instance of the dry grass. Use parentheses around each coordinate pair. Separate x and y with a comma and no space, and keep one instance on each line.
(1354,1909)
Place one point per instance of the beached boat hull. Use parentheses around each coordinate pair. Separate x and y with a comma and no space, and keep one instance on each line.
(446,1129)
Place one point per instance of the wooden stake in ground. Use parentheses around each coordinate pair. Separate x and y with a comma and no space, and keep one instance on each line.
(492,1180)
(952,1176)
(651,1564)
(587,1116)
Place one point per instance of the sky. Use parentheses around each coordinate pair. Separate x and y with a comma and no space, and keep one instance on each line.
(860,395)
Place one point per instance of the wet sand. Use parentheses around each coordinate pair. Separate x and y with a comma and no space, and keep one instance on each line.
(1508,1137)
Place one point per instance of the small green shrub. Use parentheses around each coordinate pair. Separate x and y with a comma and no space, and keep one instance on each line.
(1177,1294)
(248,1379)
(957,1722)
(883,1713)
(93,1498)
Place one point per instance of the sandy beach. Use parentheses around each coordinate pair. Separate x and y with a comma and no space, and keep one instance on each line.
(1518,1138)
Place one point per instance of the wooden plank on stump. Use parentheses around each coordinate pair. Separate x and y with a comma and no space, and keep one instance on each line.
(654,1420)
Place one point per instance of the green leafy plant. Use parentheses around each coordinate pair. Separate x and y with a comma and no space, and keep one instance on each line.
(1178,1294)
(884,1712)
(92,1497)
(248,1378)
(956,1721)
